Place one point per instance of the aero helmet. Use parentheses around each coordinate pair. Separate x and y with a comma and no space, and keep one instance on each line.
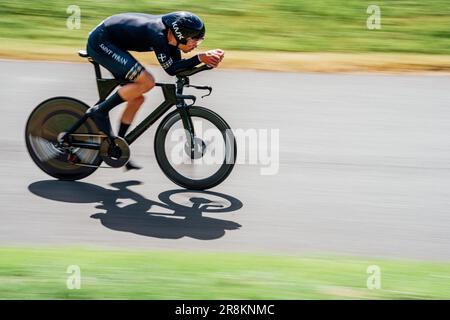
(184,25)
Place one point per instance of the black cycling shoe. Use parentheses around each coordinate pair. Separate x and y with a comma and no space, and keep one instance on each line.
(101,119)
(132,166)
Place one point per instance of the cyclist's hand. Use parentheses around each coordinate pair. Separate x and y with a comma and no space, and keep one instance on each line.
(220,53)
(210,58)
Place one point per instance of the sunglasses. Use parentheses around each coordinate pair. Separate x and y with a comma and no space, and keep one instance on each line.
(196,41)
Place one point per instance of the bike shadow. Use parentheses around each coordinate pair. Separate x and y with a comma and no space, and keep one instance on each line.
(143,216)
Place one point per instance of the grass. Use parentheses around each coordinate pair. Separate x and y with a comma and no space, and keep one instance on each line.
(411,31)
(411,26)
(41,273)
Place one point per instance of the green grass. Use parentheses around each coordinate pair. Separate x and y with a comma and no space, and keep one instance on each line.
(40,273)
(408,26)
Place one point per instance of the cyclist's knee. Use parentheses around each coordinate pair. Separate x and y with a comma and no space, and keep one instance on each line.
(139,100)
(145,81)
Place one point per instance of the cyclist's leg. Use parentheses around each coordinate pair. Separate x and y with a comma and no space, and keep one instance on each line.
(121,64)
(131,109)
(143,83)
(125,122)
(133,94)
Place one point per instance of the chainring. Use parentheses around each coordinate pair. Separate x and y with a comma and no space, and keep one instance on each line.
(115,153)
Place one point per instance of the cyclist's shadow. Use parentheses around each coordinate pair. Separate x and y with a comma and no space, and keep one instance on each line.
(144,216)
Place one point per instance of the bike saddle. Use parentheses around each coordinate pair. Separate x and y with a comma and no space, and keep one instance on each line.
(83,54)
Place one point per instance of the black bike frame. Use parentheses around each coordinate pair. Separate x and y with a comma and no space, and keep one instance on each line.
(170,100)
(173,95)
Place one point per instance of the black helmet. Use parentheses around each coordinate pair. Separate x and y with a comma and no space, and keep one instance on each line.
(184,25)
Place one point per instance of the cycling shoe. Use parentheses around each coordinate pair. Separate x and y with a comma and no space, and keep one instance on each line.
(101,119)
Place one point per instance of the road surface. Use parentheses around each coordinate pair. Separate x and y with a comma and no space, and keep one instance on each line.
(360,166)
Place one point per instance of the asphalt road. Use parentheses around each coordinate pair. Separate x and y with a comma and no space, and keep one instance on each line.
(363,169)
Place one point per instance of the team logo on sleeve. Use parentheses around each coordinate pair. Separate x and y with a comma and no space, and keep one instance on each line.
(162,57)
(165,63)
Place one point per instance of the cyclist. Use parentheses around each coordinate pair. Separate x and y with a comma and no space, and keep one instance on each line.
(166,35)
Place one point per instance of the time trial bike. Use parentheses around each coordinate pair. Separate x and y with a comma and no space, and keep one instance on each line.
(193,145)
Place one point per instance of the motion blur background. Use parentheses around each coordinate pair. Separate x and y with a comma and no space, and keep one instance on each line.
(38,29)
(273,35)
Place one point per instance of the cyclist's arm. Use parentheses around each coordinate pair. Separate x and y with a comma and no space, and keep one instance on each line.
(172,63)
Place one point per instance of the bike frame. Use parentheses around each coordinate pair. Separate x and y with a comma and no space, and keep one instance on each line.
(173,95)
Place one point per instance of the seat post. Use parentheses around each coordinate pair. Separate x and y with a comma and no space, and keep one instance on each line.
(98,73)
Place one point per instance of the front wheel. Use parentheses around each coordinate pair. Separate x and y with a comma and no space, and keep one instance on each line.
(210,160)
(47,121)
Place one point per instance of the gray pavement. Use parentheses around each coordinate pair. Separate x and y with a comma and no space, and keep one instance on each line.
(363,169)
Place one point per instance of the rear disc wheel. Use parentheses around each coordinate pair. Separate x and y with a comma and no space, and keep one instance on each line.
(46,123)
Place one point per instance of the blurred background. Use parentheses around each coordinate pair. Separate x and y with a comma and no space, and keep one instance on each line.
(38,29)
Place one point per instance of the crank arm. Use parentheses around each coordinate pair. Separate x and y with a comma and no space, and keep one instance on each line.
(91,166)
(89,135)
(85,145)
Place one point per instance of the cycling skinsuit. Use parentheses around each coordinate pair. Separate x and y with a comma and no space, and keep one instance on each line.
(109,42)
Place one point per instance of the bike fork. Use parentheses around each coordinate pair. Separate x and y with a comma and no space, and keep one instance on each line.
(188,127)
